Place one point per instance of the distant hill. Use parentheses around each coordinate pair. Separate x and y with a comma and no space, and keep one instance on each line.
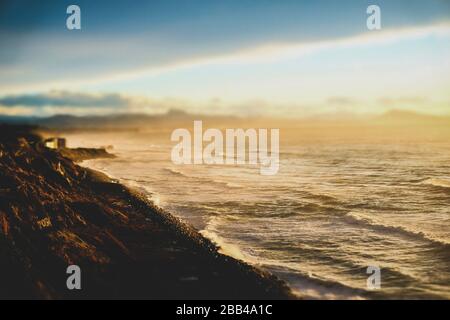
(116,121)
(179,118)
(403,116)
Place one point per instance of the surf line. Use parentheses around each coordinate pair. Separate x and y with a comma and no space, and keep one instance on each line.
(234,151)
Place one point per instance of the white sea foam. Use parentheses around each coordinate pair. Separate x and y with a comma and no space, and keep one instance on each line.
(437,182)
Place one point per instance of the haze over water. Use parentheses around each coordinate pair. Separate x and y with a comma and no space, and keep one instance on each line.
(341,201)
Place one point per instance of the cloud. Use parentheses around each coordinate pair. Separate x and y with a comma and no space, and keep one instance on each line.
(83,103)
(393,102)
(273,52)
(76,103)
(94,67)
(66,99)
(342,101)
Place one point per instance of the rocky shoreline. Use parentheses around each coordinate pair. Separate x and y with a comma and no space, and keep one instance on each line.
(54,213)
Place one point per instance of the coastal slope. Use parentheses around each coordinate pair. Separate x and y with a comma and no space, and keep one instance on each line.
(54,213)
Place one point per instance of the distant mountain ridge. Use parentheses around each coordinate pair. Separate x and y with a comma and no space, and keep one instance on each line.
(409,115)
(175,116)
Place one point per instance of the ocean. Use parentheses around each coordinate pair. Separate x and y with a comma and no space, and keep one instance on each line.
(337,206)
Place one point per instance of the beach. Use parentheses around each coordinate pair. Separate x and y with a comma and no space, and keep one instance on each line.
(55,213)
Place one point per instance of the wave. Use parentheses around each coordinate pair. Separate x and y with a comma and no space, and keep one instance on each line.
(355,218)
(310,286)
(377,207)
(203,179)
(437,182)
(175,172)
(225,247)
(306,286)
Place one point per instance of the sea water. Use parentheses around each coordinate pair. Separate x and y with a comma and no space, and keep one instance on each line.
(335,208)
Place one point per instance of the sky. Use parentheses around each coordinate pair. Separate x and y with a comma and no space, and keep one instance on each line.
(246,57)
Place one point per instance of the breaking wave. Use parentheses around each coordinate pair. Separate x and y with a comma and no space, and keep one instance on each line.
(437,182)
(355,218)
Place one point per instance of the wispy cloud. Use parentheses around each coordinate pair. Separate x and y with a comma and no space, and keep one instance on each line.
(263,53)
(279,51)
(68,102)
(408,101)
(81,103)
(66,99)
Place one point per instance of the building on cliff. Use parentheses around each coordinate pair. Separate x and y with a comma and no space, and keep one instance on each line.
(55,143)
